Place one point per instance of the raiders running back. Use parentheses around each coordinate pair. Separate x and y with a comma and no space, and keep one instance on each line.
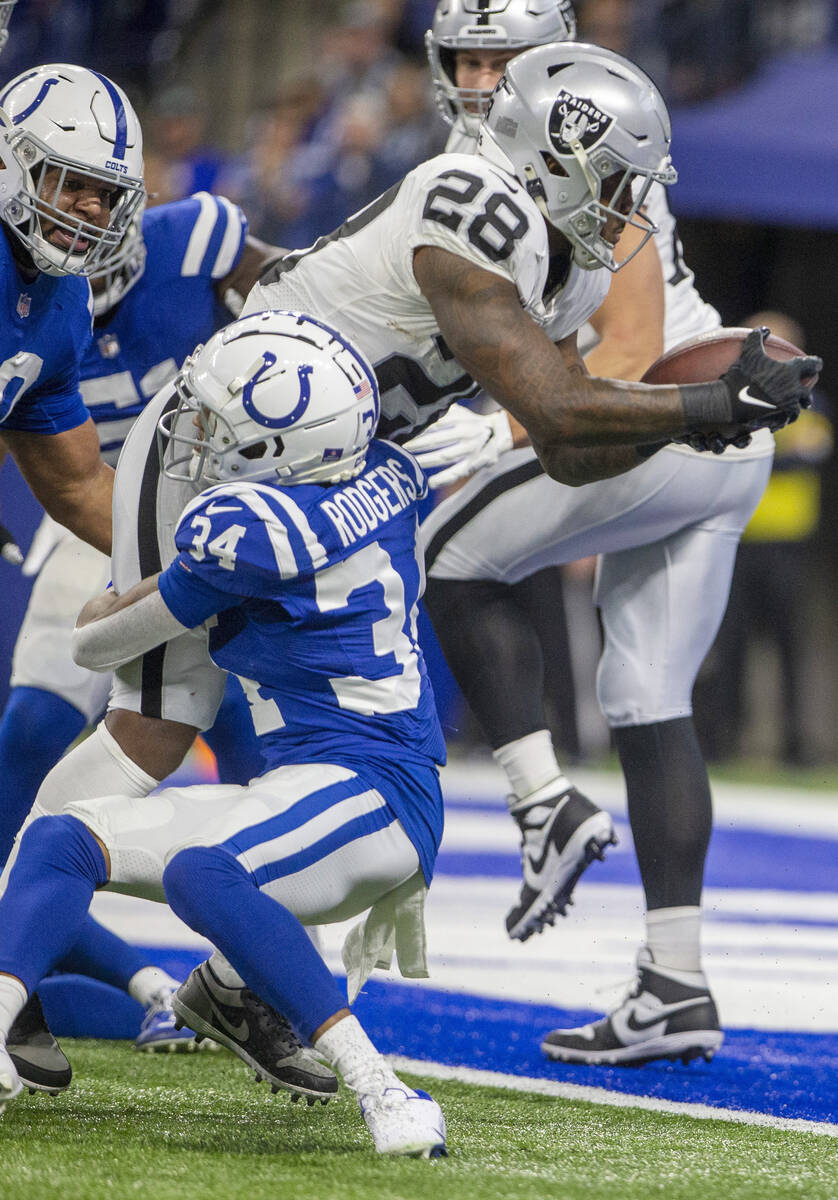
(361,279)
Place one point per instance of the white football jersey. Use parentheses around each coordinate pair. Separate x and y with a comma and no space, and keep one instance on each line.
(360,279)
(685,313)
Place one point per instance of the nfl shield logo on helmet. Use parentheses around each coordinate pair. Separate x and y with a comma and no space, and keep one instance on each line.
(24,304)
(576,120)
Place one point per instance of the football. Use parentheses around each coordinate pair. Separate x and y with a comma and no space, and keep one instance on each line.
(706,357)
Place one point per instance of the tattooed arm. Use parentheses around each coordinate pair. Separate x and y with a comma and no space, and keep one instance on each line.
(585,464)
(543,386)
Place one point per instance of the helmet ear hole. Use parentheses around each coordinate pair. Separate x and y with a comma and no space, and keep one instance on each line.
(553,165)
(263,449)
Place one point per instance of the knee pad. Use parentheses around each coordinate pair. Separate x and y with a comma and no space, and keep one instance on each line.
(98,766)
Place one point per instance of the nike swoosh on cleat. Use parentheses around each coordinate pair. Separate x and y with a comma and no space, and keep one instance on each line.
(537,864)
(666,1010)
(746,398)
(240,1031)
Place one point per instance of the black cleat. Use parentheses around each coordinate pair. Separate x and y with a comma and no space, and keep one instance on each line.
(560,837)
(38,1059)
(663,1017)
(261,1037)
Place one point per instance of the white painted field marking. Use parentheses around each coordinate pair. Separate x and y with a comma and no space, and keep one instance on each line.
(594,1095)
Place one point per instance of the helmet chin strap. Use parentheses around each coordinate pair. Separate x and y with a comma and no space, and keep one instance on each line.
(591,177)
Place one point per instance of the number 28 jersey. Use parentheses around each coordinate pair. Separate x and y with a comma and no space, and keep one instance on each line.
(360,279)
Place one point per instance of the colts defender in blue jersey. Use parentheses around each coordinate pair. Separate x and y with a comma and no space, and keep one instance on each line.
(155,297)
(71,183)
(153,304)
(299,556)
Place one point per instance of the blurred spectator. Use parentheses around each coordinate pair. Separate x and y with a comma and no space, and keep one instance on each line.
(695,49)
(327,148)
(413,132)
(179,160)
(770,591)
(268,180)
(358,53)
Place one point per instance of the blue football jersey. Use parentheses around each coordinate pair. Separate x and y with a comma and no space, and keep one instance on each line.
(140,344)
(45,329)
(316,592)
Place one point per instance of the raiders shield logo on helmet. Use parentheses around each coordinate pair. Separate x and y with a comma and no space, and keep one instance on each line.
(576,120)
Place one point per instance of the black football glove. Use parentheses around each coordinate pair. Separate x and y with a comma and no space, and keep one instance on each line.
(763,391)
(714,443)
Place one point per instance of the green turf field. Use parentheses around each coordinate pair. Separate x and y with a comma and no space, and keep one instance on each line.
(176,1127)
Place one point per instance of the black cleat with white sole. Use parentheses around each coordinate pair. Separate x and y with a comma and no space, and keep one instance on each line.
(261,1037)
(663,1017)
(560,837)
(37,1057)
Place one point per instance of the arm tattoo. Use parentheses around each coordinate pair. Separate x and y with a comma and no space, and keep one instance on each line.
(483,322)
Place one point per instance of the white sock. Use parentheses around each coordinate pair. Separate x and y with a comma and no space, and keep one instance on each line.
(673,936)
(531,768)
(224,971)
(13,996)
(348,1049)
(150,984)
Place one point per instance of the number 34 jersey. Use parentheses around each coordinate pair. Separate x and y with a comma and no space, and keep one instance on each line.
(316,592)
(360,279)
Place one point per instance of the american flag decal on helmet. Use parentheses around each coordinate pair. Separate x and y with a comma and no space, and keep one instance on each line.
(362,389)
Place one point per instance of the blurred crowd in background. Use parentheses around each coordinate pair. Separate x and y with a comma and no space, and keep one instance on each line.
(337,107)
(344,115)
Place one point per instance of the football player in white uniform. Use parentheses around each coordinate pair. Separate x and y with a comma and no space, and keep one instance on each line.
(450,282)
(300,549)
(478,271)
(667,531)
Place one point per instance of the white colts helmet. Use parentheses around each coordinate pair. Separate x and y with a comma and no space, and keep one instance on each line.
(500,25)
(566,117)
(274,396)
(64,121)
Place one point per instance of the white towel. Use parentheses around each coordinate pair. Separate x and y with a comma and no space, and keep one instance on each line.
(396,922)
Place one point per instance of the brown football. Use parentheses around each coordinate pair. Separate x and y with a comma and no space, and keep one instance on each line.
(704,358)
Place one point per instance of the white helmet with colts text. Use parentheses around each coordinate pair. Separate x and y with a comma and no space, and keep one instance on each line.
(564,119)
(273,396)
(64,122)
(500,25)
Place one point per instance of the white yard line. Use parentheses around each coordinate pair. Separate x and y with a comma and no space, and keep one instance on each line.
(778,809)
(594,1095)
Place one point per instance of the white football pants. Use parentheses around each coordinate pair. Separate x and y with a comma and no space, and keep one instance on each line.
(667,534)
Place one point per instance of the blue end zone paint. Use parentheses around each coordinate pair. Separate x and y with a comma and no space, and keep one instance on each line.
(738,858)
(783,1074)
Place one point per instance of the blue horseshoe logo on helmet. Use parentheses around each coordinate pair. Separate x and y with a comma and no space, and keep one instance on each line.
(303,372)
(37,102)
